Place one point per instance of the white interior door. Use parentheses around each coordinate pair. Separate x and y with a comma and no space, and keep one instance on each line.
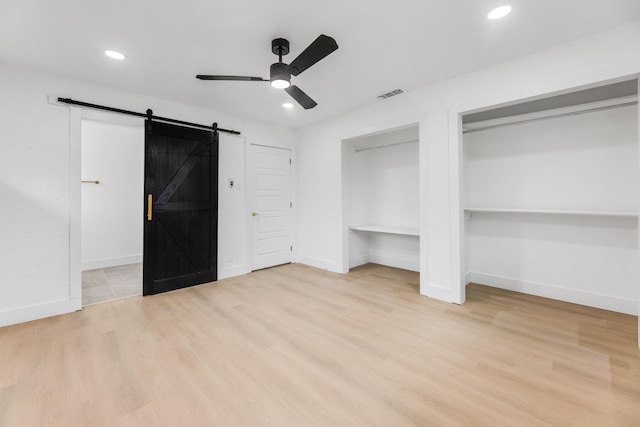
(271,206)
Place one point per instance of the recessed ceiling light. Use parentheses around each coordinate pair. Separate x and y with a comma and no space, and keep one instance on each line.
(499,12)
(287,105)
(113,54)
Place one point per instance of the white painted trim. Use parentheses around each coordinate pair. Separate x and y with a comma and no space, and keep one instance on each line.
(575,296)
(225,273)
(551,212)
(423,161)
(248,200)
(466,278)
(638,286)
(359,260)
(555,112)
(381,127)
(439,292)
(53,100)
(111,262)
(321,264)
(75,207)
(394,259)
(343,210)
(456,214)
(295,241)
(39,311)
(389,229)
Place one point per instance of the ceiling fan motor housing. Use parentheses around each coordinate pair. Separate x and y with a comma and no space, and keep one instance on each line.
(280,71)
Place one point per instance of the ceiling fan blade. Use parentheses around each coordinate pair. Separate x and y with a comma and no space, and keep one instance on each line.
(321,47)
(232,78)
(301,97)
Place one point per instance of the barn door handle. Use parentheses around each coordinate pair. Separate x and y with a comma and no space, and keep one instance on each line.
(149,207)
(254,213)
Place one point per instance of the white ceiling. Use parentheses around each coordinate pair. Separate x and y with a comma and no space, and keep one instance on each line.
(384,45)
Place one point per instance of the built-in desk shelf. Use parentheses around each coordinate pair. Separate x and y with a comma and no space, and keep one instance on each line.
(554,212)
(389,229)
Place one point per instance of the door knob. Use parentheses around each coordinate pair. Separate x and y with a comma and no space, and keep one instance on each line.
(254,213)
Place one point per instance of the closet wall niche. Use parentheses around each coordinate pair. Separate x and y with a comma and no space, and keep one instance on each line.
(381,199)
(551,195)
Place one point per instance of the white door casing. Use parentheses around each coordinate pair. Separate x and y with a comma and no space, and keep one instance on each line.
(270,206)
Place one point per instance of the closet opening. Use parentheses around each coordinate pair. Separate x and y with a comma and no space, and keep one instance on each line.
(550,194)
(380,195)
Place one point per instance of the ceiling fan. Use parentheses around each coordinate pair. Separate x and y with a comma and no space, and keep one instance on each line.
(280,75)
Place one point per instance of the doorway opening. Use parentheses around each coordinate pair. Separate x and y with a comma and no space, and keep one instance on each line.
(112,177)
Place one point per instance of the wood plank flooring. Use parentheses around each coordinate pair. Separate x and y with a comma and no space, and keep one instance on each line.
(297,346)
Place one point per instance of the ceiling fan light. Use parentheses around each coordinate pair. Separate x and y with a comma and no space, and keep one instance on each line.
(280,75)
(280,83)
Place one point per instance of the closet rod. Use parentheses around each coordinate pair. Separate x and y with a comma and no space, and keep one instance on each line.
(358,149)
(133,113)
(554,116)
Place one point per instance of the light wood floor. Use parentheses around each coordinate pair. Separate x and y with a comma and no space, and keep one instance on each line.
(297,346)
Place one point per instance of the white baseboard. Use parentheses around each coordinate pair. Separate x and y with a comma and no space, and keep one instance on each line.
(359,260)
(396,260)
(388,258)
(238,270)
(110,262)
(434,291)
(39,311)
(320,263)
(575,296)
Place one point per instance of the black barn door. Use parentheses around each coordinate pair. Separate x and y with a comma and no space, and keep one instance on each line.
(181,205)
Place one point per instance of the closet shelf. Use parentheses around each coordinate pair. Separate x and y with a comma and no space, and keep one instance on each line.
(389,229)
(555,212)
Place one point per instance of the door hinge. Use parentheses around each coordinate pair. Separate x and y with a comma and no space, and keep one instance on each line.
(289,161)
(291,248)
(290,204)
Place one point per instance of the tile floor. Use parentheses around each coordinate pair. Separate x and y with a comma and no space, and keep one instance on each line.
(106,284)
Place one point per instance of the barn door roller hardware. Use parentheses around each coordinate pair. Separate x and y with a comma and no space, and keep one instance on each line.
(148,115)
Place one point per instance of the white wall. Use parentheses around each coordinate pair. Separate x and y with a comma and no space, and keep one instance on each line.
(112,211)
(380,187)
(584,63)
(233,253)
(584,163)
(37,210)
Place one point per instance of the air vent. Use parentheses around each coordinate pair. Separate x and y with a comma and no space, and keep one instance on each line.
(390,94)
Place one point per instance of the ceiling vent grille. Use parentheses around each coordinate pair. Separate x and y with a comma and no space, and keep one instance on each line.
(390,94)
